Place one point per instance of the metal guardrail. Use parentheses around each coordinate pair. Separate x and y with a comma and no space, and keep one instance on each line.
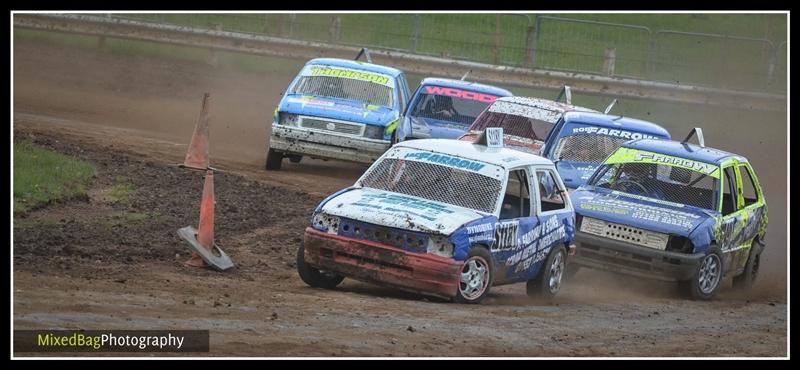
(215,39)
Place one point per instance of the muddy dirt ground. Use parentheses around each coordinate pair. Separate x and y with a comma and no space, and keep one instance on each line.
(83,265)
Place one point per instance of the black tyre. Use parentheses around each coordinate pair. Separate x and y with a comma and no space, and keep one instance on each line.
(295,158)
(707,278)
(314,277)
(274,160)
(748,278)
(476,277)
(548,283)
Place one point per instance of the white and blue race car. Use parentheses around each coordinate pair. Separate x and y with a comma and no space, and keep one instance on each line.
(444,217)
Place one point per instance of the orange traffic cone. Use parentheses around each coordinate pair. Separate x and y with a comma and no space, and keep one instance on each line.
(197,155)
(205,230)
(201,241)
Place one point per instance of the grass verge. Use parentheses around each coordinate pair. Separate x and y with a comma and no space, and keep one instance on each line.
(42,177)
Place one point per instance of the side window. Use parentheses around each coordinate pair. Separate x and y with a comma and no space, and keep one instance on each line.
(550,196)
(516,201)
(729,192)
(748,186)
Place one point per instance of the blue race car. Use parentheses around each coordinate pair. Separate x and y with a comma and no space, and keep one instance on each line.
(580,142)
(338,109)
(673,211)
(444,108)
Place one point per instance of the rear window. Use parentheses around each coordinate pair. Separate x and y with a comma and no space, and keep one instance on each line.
(587,148)
(514,125)
(451,105)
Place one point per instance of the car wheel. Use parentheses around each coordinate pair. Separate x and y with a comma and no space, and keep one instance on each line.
(548,283)
(295,158)
(274,159)
(476,277)
(707,279)
(313,277)
(747,279)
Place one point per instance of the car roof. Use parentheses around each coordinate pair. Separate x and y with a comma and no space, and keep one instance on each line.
(543,103)
(616,121)
(683,150)
(394,72)
(503,157)
(466,85)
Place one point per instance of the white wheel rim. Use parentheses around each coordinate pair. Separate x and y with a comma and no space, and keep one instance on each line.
(474,278)
(556,272)
(710,274)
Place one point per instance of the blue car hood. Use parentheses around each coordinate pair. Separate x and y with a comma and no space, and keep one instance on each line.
(341,109)
(575,174)
(642,212)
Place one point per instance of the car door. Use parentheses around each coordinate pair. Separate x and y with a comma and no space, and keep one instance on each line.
(515,220)
(729,238)
(753,210)
(555,215)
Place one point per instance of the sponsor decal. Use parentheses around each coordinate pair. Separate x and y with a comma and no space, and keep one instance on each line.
(611,132)
(681,162)
(536,244)
(350,73)
(505,236)
(446,160)
(628,155)
(398,204)
(480,233)
(642,212)
(458,93)
(494,137)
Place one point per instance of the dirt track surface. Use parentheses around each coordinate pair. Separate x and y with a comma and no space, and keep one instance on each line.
(131,117)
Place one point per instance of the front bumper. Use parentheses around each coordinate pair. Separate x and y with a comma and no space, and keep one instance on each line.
(321,144)
(382,264)
(619,256)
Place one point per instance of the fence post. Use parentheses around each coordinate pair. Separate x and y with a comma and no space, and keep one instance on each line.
(291,23)
(535,40)
(496,38)
(336,23)
(529,42)
(773,60)
(609,61)
(415,33)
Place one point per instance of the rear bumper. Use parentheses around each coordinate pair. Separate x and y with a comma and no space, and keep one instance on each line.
(382,264)
(321,144)
(618,256)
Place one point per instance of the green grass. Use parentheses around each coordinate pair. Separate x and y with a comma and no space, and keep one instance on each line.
(42,176)
(24,224)
(121,192)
